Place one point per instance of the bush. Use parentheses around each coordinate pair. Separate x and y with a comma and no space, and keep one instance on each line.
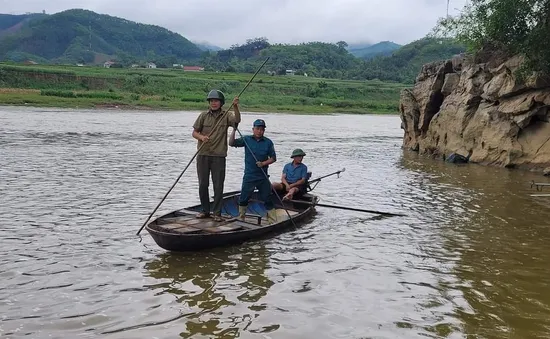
(57,93)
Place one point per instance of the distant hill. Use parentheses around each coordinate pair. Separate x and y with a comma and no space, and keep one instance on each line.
(84,36)
(356,46)
(12,23)
(317,59)
(381,48)
(206,46)
(405,63)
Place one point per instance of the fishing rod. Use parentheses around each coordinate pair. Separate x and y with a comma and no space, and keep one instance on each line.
(317,180)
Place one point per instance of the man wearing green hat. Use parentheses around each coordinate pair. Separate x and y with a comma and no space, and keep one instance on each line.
(294,176)
(210,129)
(259,154)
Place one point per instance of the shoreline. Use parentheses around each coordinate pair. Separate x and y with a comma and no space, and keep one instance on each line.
(167,89)
(154,106)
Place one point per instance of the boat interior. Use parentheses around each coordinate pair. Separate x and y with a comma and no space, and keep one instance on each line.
(183,221)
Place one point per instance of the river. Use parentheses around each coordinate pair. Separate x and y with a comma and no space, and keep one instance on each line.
(469,260)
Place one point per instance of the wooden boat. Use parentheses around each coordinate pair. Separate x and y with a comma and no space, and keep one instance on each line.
(182,231)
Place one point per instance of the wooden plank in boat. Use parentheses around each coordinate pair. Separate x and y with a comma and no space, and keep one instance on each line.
(223,228)
(248,225)
(176,220)
(179,228)
(185,212)
(192,222)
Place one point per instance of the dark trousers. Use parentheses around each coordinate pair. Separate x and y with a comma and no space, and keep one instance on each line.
(264,190)
(207,165)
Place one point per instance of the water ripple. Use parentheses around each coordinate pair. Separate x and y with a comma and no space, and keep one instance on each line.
(468,259)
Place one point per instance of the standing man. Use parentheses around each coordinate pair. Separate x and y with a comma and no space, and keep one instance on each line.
(210,129)
(259,154)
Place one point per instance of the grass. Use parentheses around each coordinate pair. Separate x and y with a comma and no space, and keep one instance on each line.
(88,87)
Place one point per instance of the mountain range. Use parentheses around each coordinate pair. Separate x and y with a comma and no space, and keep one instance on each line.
(84,36)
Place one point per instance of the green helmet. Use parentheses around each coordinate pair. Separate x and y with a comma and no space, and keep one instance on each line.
(298,153)
(216,94)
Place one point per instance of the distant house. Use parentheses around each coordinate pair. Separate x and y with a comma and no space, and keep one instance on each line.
(151,65)
(80,65)
(290,72)
(177,66)
(30,62)
(193,68)
(134,66)
(108,64)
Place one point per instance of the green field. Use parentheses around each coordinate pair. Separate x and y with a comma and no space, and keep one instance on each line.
(89,87)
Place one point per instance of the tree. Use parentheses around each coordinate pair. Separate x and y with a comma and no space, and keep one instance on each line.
(513,26)
(342,44)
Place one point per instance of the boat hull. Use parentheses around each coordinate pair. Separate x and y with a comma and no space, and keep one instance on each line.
(191,234)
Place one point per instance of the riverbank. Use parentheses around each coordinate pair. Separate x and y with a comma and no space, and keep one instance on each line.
(173,89)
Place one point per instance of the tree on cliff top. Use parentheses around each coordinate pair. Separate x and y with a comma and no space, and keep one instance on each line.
(513,26)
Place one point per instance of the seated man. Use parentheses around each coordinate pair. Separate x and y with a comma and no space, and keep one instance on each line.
(293,179)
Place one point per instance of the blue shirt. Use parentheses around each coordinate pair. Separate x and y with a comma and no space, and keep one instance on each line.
(262,148)
(295,173)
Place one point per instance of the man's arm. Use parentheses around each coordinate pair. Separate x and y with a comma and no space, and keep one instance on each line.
(197,135)
(284,181)
(267,162)
(272,157)
(197,129)
(302,181)
(236,116)
(298,183)
(235,142)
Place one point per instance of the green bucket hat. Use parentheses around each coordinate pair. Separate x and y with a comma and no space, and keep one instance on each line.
(297,153)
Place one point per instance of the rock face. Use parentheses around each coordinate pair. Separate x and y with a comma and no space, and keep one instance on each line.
(479,105)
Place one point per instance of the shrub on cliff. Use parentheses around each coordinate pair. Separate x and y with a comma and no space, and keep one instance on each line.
(514,26)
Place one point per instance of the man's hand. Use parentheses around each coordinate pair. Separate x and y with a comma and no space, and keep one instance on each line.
(236,101)
(205,138)
(260,164)
(287,187)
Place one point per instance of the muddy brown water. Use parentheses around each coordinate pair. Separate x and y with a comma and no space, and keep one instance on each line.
(470,259)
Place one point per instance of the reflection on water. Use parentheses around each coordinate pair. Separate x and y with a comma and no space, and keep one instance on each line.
(495,236)
(470,259)
(204,285)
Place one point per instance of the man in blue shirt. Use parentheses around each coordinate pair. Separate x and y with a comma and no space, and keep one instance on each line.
(293,179)
(259,154)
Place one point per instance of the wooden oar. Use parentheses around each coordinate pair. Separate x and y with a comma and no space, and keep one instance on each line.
(347,208)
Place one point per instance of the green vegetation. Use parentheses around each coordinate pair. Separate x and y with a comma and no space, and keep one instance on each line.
(71,86)
(333,60)
(512,26)
(83,36)
(80,36)
(405,63)
(336,81)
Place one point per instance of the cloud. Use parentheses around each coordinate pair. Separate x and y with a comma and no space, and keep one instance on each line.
(225,23)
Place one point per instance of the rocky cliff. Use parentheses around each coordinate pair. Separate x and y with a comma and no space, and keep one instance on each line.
(479,104)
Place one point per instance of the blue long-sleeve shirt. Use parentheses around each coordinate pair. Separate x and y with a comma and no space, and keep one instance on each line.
(262,148)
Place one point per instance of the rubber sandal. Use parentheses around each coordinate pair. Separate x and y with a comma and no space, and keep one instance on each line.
(217,218)
(202,215)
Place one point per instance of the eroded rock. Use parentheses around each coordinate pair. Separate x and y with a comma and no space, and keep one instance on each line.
(479,104)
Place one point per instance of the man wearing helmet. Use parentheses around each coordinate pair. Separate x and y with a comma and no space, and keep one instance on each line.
(210,129)
(293,179)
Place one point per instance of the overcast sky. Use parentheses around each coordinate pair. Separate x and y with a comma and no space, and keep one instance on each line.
(228,22)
